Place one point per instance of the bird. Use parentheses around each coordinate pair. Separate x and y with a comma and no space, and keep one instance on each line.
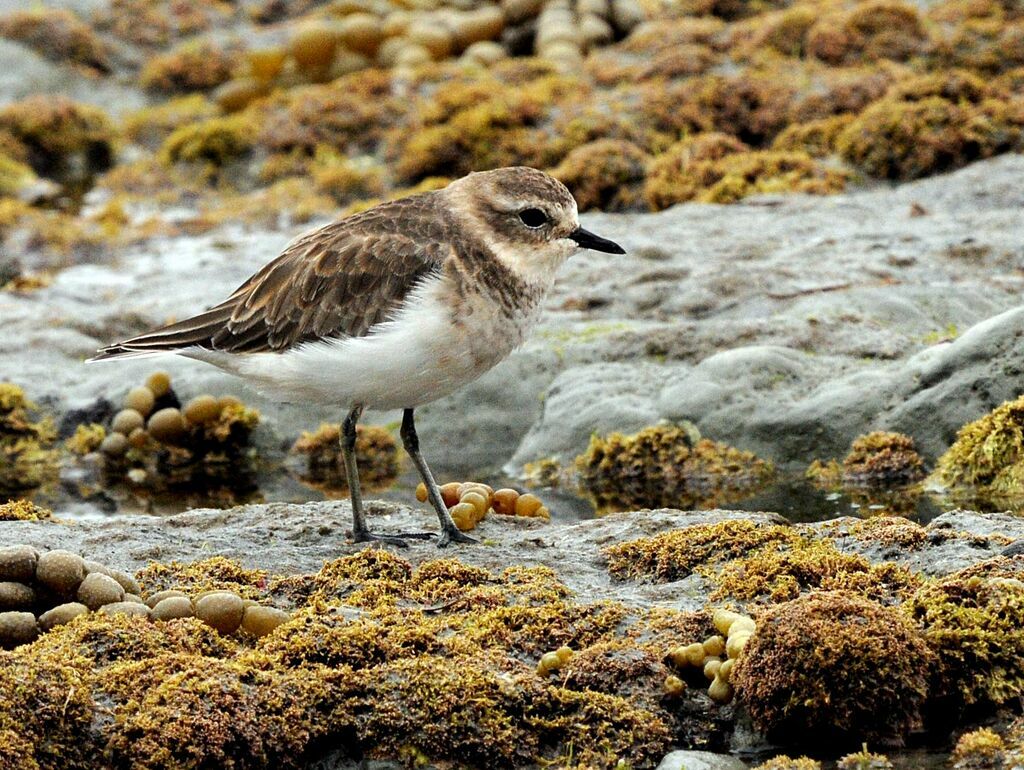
(392,308)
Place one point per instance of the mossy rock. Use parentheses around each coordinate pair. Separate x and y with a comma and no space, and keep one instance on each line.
(987,458)
(667,466)
(55,131)
(835,668)
(216,141)
(606,174)
(972,620)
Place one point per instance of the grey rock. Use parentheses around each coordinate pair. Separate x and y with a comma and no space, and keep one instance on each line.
(787,325)
(700,760)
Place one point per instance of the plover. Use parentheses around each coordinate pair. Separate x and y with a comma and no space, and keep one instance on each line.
(392,308)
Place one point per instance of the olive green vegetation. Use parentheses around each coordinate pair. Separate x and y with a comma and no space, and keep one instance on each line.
(833,667)
(986,462)
(756,562)
(711,101)
(27,455)
(667,466)
(376,454)
(972,620)
(429,664)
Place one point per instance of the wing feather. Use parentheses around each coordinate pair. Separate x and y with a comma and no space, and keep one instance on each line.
(335,282)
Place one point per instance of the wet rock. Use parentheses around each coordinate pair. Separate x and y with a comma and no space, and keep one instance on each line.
(700,760)
(61,614)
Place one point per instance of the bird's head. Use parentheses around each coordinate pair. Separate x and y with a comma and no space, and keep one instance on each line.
(528,218)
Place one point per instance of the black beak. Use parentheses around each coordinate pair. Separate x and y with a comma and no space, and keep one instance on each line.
(588,240)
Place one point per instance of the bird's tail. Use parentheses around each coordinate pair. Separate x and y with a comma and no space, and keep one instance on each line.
(197,331)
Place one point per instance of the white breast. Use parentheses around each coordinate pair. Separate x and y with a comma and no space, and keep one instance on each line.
(417,357)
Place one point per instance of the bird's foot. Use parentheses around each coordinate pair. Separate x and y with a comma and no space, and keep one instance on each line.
(454,535)
(397,540)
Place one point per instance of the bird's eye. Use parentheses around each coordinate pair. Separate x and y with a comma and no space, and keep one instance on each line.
(533,218)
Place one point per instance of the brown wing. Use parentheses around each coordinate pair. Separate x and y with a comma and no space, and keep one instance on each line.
(338,281)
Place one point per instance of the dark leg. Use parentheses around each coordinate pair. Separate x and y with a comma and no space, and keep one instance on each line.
(449,532)
(360,532)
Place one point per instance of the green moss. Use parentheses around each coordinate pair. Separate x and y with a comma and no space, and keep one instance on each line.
(816,137)
(215,573)
(14,176)
(57,34)
(216,142)
(152,125)
(987,458)
(86,438)
(23,510)
(606,174)
(434,664)
(981,748)
(99,640)
(833,667)
(376,456)
(674,555)
(495,133)
(48,712)
(725,173)
(883,458)
(350,115)
(972,620)
(789,763)
(194,66)
(923,129)
(59,134)
(27,458)
(662,466)
(873,30)
(782,573)
(864,760)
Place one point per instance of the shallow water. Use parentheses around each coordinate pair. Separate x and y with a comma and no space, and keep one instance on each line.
(790,495)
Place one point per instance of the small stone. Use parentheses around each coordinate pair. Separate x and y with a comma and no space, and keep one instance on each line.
(159,596)
(221,610)
(134,598)
(166,425)
(159,383)
(18,563)
(114,445)
(126,608)
(128,583)
(16,596)
(202,409)
(60,571)
(141,399)
(61,614)
(98,589)
(17,628)
(173,607)
(126,421)
(260,621)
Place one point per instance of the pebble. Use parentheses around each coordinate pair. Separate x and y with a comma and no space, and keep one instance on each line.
(16,596)
(98,589)
(173,607)
(17,628)
(260,621)
(18,563)
(60,571)
(61,614)
(221,610)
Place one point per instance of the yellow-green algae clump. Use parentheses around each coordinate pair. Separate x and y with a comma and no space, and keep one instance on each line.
(833,666)
(972,620)
(750,561)
(26,455)
(376,455)
(23,510)
(663,466)
(987,459)
(429,664)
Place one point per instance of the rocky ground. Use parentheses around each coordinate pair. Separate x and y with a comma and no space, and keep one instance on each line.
(785,325)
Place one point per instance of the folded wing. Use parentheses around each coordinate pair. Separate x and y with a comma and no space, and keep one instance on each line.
(335,282)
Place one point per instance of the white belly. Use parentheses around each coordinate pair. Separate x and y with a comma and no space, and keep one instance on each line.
(416,358)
